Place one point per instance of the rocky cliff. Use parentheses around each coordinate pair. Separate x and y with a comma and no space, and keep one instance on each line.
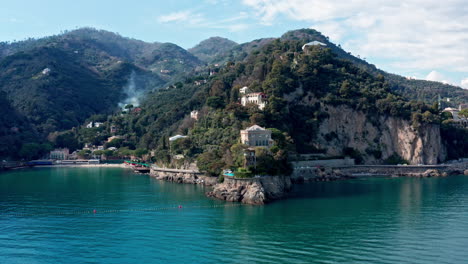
(252,191)
(378,138)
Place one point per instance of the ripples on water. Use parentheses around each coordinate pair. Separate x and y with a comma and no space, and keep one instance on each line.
(46,217)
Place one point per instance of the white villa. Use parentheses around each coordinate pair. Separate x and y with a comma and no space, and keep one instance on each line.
(256,136)
(260,99)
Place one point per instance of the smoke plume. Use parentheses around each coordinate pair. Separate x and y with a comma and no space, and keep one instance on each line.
(132,94)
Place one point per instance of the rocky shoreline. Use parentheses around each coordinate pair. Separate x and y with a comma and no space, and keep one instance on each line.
(184,177)
(265,189)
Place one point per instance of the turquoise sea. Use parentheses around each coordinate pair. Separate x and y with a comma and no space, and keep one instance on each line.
(47,216)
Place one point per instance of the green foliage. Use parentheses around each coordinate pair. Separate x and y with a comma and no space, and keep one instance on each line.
(353,153)
(215,102)
(211,162)
(463,113)
(395,159)
(456,140)
(30,151)
(84,154)
(243,173)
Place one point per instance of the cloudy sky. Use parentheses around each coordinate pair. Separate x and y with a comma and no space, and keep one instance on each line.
(426,39)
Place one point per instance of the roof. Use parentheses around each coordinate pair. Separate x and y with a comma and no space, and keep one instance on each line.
(451,109)
(314,43)
(255,94)
(254,127)
(176,137)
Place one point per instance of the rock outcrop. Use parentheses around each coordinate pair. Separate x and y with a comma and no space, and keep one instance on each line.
(252,191)
(378,138)
(426,174)
(184,177)
(465,172)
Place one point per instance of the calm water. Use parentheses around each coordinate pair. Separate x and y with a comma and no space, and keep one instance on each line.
(46,216)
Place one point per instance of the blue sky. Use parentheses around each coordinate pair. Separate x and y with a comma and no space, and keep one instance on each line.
(416,38)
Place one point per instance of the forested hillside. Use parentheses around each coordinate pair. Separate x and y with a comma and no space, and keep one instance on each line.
(56,83)
(300,85)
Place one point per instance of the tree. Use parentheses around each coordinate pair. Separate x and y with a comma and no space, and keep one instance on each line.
(84,153)
(30,151)
(215,102)
(463,113)
(140,152)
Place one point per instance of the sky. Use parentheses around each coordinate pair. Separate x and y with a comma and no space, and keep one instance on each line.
(424,39)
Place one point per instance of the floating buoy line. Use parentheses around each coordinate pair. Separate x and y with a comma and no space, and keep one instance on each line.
(109,211)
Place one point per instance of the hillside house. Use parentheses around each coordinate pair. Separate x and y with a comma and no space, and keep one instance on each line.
(260,99)
(60,154)
(94,124)
(114,129)
(244,90)
(194,114)
(256,136)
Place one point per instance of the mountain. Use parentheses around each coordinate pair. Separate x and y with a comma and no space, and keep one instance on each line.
(54,84)
(57,82)
(210,48)
(317,103)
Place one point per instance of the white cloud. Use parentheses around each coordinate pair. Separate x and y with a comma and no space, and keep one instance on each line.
(198,20)
(436,77)
(414,34)
(464,83)
(186,16)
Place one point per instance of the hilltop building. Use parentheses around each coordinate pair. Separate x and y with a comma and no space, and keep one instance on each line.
(314,43)
(260,99)
(194,114)
(176,137)
(60,154)
(256,136)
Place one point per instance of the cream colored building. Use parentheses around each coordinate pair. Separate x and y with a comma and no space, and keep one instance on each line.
(60,154)
(259,99)
(256,136)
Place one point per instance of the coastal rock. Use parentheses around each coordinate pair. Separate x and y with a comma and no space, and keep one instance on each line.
(427,174)
(252,191)
(184,177)
(465,172)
